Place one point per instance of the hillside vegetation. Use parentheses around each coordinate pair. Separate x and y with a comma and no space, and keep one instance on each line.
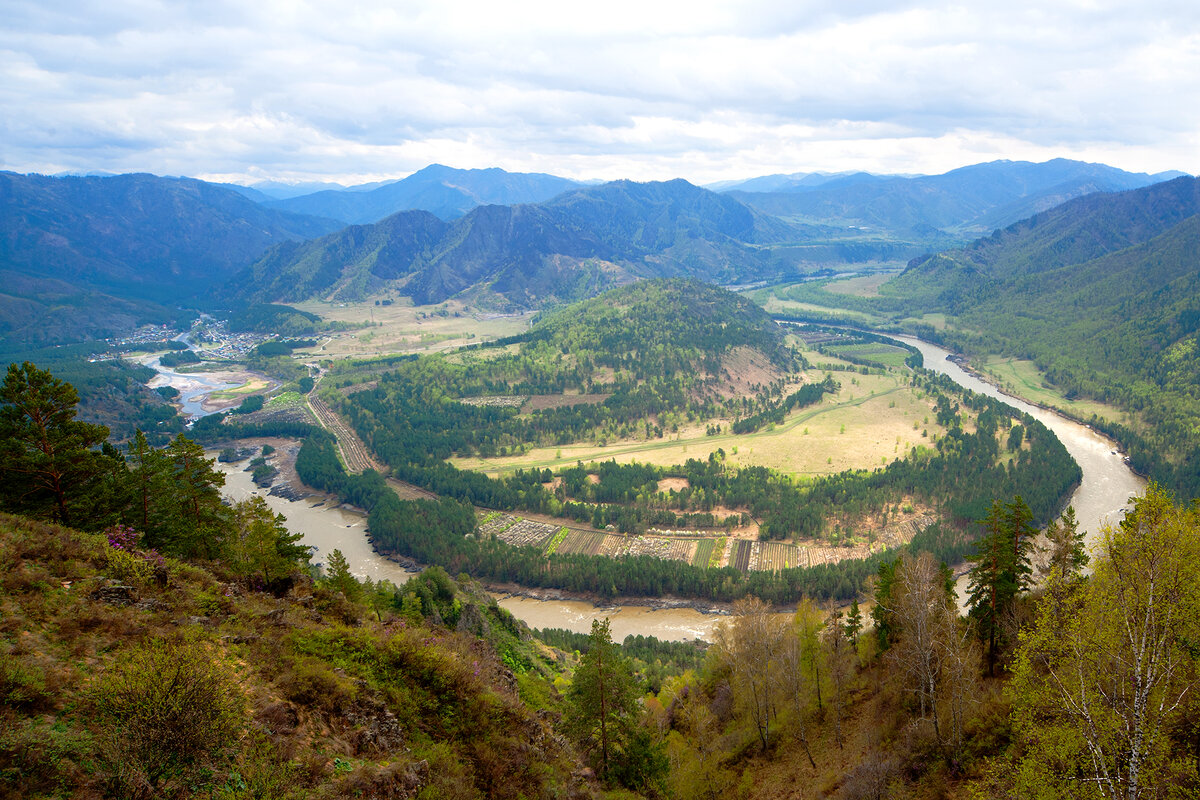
(1102,294)
(635,364)
(87,257)
(120,678)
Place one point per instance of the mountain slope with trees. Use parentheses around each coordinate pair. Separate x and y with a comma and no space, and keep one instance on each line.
(1102,293)
(73,249)
(565,249)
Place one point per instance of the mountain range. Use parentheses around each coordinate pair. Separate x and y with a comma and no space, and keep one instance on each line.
(92,256)
(140,246)
(571,247)
(972,199)
(444,192)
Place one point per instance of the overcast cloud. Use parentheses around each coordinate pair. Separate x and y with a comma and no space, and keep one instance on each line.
(646,90)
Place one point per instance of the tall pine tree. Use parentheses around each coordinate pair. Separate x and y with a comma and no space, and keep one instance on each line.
(1001,571)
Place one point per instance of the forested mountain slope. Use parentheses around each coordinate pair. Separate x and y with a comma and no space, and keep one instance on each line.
(89,256)
(529,255)
(1104,294)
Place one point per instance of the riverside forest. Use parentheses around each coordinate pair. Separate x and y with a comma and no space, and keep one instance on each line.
(560,398)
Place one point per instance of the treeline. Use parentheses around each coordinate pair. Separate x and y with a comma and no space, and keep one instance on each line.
(442,532)
(960,474)
(215,427)
(804,396)
(678,656)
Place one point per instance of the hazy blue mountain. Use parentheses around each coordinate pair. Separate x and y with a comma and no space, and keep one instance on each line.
(149,241)
(570,247)
(443,191)
(796,181)
(975,199)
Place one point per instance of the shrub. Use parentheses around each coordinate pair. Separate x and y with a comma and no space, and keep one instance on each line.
(166,704)
(21,685)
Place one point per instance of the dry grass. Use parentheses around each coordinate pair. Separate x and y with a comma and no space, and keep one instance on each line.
(869,422)
(402,328)
(860,286)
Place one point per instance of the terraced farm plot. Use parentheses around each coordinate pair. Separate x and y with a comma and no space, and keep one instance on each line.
(739,556)
(585,542)
(496,524)
(660,547)
(777,556)
(682,550)
(528,533)
(703,554)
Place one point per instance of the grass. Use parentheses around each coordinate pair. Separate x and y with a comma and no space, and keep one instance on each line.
(402,328)
(861,285)
(1022,378)
(877,413)
(882,354)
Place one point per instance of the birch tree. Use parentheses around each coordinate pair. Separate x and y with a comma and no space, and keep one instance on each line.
(1103,685)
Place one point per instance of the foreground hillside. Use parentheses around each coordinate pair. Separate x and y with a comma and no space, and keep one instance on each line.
(122,677)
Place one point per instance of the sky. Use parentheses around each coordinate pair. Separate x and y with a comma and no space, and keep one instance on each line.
(361,91)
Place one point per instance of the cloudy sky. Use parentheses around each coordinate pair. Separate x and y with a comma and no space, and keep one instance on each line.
(642,89)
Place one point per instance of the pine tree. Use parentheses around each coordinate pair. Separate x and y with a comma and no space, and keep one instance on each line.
(262,545)
(337,572)
(194,516)
(1001,571)
(854,623)
(48,467)
(602,699)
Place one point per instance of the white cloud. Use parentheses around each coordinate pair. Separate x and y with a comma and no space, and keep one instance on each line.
(702,90)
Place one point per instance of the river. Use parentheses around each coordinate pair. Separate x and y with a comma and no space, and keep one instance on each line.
(326,527)
(1105,489)
(1107,483)
(193,387)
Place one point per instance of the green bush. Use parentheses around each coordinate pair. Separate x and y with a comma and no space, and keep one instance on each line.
(21,685)
(165,705)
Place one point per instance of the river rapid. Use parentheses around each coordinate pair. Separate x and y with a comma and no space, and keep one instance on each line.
(1106,488)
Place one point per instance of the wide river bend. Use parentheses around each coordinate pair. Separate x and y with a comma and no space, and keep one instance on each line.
(1105,489)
